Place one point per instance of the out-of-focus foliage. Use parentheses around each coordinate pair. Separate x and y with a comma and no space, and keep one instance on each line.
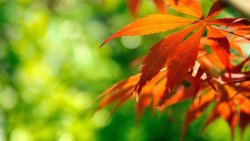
(51,70)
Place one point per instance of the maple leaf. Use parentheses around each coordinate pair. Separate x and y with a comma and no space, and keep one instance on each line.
(220,45)
(151,24)
(159,54)
(226,107)
(229,98)
(159,23)
(173,60)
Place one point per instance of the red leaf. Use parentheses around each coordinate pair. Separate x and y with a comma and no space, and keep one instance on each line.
(216,8)
(158,55)
(161,5)
(184,93)
(220,45)
(231,22)
(134,6)
(183,59)
(244,120)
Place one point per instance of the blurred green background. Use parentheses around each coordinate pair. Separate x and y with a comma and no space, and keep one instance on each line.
(52,69)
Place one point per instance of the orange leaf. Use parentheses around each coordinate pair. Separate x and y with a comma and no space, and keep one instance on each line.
(142,104)
(150,25)
(118,91)
(226,111)
(197,108)
(188,7)
(211,64)
(226,108)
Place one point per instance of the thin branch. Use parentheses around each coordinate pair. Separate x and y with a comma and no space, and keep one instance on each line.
(242,6)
